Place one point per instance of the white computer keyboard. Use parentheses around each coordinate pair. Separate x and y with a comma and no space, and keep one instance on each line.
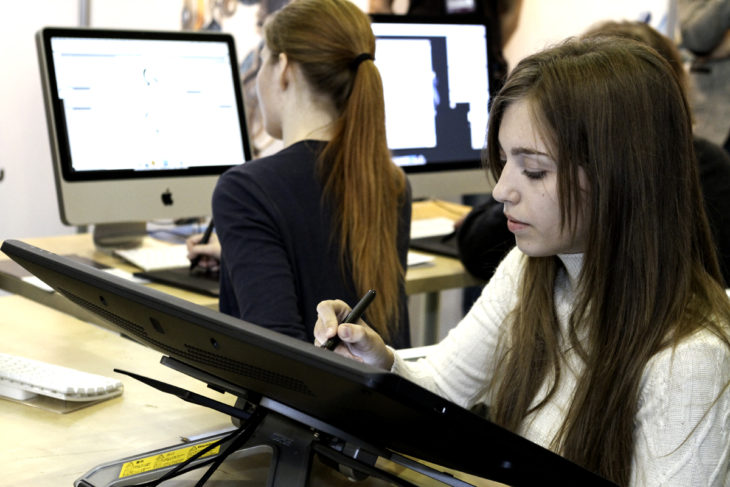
(154,258)
(23,378)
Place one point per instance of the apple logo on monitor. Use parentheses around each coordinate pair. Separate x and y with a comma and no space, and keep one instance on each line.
(167,198)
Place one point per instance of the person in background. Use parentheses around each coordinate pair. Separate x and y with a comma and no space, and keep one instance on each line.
(705,32)
(261,143)
(483,237)
(604,335)
(713,161)
(505,12)
(330,213)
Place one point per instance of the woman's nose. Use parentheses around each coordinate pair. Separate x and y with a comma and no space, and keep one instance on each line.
(505,191)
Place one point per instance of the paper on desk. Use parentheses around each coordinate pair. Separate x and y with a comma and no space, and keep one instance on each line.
(417,258)
(155,257)
(431,227)
(38,283)
(127,275)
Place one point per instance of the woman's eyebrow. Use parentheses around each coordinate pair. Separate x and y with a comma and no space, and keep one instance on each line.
(517,151)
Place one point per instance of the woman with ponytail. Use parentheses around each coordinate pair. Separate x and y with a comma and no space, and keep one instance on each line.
(328,215)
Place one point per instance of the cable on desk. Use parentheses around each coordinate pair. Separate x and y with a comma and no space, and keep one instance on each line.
(181,469)
(236,444)
(238,438)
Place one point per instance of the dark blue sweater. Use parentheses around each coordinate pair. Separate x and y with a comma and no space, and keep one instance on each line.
(278,258)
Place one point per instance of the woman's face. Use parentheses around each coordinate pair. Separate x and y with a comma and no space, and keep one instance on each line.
(528,187)
(267,90)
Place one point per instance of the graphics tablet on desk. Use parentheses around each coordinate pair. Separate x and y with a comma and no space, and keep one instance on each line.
(331,401)
(438,244)
(181,277)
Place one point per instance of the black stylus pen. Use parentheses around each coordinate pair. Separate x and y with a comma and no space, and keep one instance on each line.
(206,237)
(352,317)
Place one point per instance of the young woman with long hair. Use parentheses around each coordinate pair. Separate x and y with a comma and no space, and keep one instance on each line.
(604,334)
(330,213)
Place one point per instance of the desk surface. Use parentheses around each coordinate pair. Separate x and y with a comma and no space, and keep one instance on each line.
(446,272)
(52,449)
(45,449)
(443,273)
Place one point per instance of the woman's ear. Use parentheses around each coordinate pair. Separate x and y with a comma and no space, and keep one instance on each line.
(285,71)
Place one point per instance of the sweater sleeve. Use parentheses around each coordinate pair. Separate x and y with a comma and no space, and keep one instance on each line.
(255,256)
(683,420)
(461,367)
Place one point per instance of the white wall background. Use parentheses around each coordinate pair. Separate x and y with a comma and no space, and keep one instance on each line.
(28,205)
(544,22)
(27,192)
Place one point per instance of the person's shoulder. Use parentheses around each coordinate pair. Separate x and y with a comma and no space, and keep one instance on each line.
(713,161)
(713,164)
(710,155)
(408,190)
(683,382)
(705,342)
(253,176)
(702,343)
(287,155)
(500,295)
(682,410)
(295,158)
(509,269)
(515,258)
(702,357)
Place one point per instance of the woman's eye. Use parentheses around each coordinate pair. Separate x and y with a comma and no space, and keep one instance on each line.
(534,174)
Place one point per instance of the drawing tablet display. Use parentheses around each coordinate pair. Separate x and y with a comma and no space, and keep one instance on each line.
(308,384)
(439,244)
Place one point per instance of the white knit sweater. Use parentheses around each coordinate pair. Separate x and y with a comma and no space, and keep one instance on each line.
(683,421)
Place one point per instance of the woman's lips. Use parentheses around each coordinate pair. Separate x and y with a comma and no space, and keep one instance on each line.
(515,226)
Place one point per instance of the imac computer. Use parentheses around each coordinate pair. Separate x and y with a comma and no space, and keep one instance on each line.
(141,124)
(438,76)
(342,409)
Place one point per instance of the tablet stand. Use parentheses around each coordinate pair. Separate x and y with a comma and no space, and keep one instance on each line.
(266,426)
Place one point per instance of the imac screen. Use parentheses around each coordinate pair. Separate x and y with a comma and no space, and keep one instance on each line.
(139,113)
(438,75)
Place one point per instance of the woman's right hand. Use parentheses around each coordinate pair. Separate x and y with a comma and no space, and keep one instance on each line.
(209,253)
(357,341)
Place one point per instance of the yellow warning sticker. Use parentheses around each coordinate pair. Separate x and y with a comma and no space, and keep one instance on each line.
(166,459)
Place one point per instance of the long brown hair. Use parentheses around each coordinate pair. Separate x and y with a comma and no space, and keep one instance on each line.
(333,43)
(650,275)
(642,32)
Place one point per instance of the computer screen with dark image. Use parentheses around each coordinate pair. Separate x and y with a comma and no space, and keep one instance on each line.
(437,79)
